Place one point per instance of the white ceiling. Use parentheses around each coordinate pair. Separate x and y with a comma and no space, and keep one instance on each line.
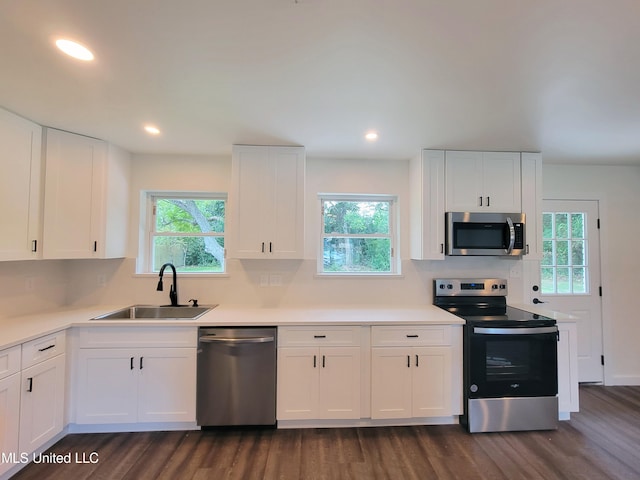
(557,76)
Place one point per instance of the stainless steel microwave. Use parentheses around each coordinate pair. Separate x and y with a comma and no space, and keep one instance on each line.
(492,234)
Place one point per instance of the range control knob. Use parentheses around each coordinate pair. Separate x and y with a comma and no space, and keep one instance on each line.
(473,388)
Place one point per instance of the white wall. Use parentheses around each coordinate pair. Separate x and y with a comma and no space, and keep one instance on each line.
(618,190)
(300,285)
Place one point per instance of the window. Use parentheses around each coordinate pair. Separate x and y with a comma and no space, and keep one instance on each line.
(358,234)
(186,230)
(564,266)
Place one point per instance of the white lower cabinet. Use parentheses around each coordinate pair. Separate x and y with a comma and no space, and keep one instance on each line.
(9,406)
(415,371)
(136,384)
(318,373)
(568,400)
(42,403)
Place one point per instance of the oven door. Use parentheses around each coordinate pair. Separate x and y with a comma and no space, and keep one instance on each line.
(511,361)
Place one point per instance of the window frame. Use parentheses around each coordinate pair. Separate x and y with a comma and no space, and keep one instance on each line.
(147,231)
(393,236)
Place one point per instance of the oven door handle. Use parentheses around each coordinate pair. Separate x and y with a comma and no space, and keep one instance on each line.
(514,331)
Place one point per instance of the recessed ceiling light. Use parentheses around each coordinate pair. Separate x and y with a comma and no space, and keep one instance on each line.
(151,130)
(371,136)
(74,49)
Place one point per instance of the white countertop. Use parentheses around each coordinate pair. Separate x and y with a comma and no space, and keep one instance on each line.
(21,329)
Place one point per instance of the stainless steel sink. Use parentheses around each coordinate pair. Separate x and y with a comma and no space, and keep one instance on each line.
(155,312)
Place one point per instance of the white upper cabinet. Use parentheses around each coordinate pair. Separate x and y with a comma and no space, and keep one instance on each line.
(267,202)
(20,187)
(483,181)
(427,206)
(86,197)
(532,203)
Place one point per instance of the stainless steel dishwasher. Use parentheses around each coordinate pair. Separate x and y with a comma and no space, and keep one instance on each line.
(236,376)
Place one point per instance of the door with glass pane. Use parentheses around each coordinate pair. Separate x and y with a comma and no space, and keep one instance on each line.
(570,275)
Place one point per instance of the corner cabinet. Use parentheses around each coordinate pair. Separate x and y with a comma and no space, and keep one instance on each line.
(416,371)
(86,196)
(483,181)
(20,187)
(427,206)
(135,375)
(318,373)
(267,202)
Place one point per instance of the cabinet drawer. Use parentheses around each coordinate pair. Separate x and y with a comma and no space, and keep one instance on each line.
(122,337)
(318,336)
(43,348)
(9,361)
(386,336)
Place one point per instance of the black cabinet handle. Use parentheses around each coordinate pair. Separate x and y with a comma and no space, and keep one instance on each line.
(408,361)
(480,200)
(34,246)
(30,388)
(95,246)
(322,361)
(319,336)
(488,201)
(314,361)
(417,361)
(131,363)
(46,348)
(412,336)
(270,247)
(141,366)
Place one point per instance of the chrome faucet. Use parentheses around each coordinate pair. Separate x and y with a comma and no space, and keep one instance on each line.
(173,291)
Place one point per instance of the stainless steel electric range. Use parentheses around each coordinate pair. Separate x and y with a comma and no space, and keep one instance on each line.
(510,358)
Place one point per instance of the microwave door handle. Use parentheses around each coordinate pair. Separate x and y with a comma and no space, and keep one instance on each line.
(512,235)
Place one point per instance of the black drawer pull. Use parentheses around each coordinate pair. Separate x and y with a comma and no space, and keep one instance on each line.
(46,348)
(319,336)
(131,363)
(412,336)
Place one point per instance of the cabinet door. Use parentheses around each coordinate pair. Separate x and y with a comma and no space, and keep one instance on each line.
(432,381)
(463,176)
(285,226)
(298,383)
(167,384)
(501,180)
(250,209)
(267,202)
(107,386)
(339,382)
(42,403)
(427,206)
(20,187)
(73,195)
(9,419)
(391,379)
(532,203)
(568,400)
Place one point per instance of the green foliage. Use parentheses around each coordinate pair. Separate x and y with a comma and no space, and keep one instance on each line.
(357,236)
(190,251)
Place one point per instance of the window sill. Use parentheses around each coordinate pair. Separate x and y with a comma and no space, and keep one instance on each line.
(358,275)
(183,275)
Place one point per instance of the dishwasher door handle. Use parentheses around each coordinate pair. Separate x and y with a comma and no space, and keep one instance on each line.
(235,341)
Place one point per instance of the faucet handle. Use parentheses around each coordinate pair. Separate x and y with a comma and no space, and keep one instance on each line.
(195,302)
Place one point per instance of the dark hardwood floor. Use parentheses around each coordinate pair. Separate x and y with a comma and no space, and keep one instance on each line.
(600,442)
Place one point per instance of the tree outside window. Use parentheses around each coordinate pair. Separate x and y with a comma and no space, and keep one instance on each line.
(188,231)
(357,235)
